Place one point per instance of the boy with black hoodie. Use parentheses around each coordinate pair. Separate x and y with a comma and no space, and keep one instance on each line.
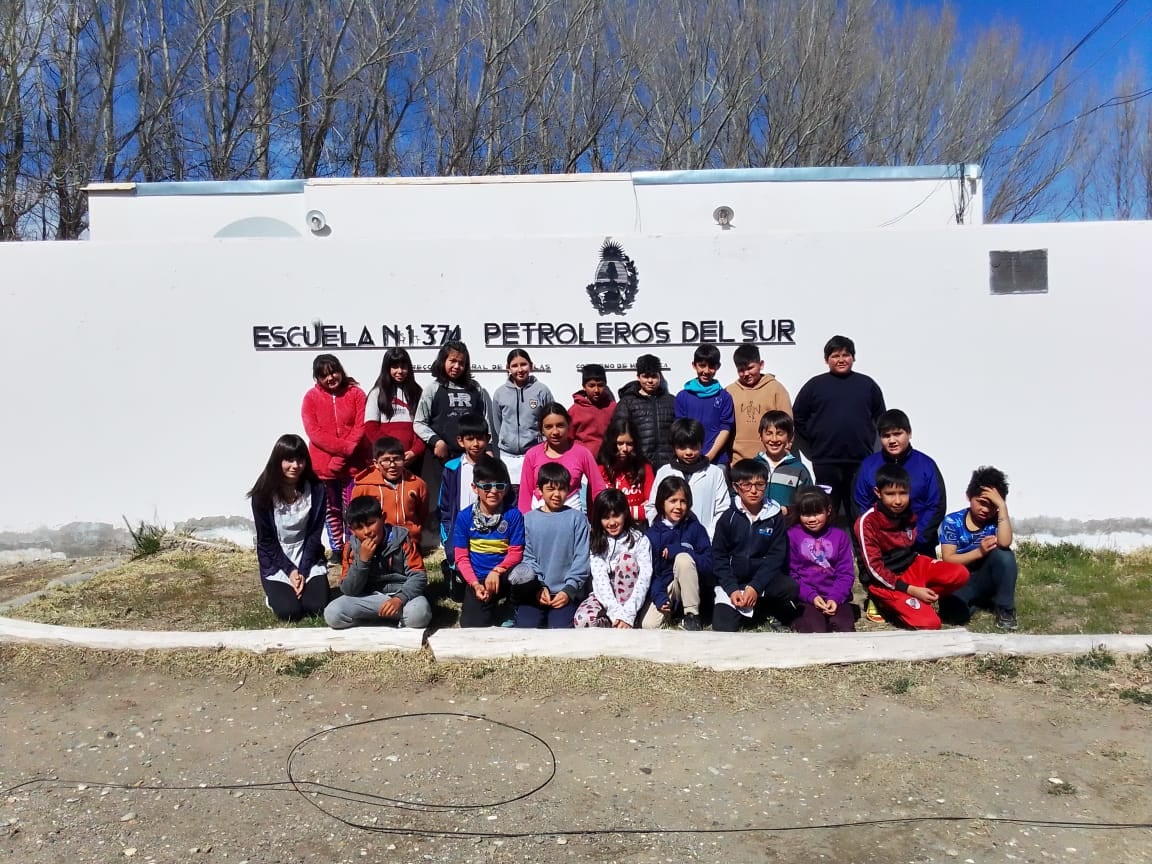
(592,408)
(902,583)
(648,404)
(750,557)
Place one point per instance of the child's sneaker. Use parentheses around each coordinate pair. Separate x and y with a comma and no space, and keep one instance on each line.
(872,612)
(691,622)
(1006,618)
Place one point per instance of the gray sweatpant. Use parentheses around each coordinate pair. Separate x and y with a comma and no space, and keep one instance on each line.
(347,611)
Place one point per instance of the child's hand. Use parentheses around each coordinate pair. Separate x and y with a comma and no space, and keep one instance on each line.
(828,607)
(783,511)
(544,598)
(481,592)
(994,497)
(440,451)
(926,595)
(622,625)
(664,554)
(988,545)
(408,456)
(368,548)
(391,608)
(559,600)
(297,582)
(492,581)
(666,609)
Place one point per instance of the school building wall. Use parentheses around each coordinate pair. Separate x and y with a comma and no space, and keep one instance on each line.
(133,385)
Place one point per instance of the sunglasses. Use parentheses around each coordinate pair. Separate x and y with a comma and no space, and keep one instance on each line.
(491,487)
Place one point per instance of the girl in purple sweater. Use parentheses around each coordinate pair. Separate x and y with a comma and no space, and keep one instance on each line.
(820,559)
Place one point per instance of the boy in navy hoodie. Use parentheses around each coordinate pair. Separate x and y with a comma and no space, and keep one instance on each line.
(705,400)
(750,555)
(928,499)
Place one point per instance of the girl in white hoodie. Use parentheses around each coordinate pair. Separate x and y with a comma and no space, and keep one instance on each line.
(621,565)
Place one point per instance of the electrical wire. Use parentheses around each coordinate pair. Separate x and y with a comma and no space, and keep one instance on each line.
(311,790)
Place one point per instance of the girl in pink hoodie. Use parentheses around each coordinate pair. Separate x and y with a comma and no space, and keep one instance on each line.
(333,415)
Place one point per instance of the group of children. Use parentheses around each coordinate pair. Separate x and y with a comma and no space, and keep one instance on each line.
(624,513)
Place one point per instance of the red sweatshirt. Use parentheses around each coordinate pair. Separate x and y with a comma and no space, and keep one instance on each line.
(334,424)
(636,493)
(590,419)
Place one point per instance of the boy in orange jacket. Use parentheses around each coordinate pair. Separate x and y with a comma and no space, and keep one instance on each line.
(402,495)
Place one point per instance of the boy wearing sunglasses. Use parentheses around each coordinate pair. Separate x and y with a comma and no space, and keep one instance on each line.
(488,541)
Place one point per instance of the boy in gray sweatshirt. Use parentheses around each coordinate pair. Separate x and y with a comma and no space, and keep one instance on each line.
(552,580)
(386,581)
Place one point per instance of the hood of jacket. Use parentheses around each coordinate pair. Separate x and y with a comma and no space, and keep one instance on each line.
(765,379)
(581,398)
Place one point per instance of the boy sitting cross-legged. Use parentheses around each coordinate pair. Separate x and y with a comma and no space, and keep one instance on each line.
(386,579)
(903,583)
(488,541)
(750,557)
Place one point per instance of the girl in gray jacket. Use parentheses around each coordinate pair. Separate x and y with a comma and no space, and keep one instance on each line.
(517,407)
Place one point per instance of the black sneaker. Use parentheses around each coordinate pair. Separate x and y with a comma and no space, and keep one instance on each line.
(691,622)
(1006,618)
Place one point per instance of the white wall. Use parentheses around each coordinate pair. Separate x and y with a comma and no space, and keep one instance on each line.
(131,385)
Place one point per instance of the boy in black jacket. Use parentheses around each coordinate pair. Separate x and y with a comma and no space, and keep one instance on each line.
(648,404)
(750,557)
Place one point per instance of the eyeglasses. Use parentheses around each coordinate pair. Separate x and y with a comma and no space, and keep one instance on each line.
(389,460)
(491,487)
(751,485)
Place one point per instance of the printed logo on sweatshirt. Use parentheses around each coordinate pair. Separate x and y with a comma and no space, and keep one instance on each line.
(533,404)
(616,282)
(502,528)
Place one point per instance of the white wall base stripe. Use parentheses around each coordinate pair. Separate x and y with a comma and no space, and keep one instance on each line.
(725,651)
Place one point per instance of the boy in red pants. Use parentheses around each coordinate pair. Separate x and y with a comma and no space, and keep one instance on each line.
(903,583)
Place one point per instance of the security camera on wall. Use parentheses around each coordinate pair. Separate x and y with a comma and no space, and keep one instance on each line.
(317,221)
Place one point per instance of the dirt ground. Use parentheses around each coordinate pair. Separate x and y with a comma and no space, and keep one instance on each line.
(636,746)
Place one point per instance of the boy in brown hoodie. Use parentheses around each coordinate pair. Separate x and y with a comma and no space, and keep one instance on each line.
(592,408)
(402,495)
(754,393)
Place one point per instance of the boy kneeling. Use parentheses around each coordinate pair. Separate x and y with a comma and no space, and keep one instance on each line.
(386,579)
(903,583)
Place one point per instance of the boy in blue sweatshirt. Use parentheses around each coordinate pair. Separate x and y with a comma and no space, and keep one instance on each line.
(750,557)
(927,491)
(705,400)
(552,579)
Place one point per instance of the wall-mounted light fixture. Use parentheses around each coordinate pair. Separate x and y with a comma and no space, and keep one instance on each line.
(723,216)
(317,222)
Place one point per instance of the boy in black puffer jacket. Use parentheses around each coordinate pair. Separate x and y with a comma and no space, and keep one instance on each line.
(648,404)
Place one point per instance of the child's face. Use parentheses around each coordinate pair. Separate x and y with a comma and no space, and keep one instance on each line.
(473,445)
(840,362)
(371,531)
(776,442)
(750,373)
(399,374)
(687,453)
(895,441)
(983,511)
(330,379)
(649,383)
(554,428)
(553,496)
(594,389)
(625,445)
(751,494)
(518,370)
(454,365)
(391,465)
(705,371)
(292,468)
(613,524)
(893,498)
(490,495)
(814,522)
(675,506)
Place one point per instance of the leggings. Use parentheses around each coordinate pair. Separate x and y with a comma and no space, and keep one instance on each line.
(337,494)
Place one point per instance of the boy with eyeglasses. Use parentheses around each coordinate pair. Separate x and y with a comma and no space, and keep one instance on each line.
(750,557)
(488,541)
(402,495)
(786,473)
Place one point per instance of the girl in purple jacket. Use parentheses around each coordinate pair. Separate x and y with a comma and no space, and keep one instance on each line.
(821,561)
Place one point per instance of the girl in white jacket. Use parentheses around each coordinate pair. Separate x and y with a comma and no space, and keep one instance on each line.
(621,565)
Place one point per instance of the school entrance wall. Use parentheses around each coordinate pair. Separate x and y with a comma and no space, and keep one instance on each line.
(151,379)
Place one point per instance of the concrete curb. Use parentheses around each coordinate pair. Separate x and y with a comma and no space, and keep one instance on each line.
(721,651)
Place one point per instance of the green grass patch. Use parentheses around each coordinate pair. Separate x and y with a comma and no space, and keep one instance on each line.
(1002,666)
(303,667)
(147,538)
(1140,697)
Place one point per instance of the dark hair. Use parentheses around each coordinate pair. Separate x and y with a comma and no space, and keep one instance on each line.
(553,474)
(668,487)
(362,511)
(894,476)
(517,352)
(554,408)
(745,354)
(489,469)
(686,432)
(268,485)
(326,364)
(387,388)
(387,446)
(648,364)
(472,425)
(893,420)
(810,501)
(466,381)
(633,466)
(707,353)
(749,469)
(593,372)
(988,476)
(839,343)
(610,502)
(781,420)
